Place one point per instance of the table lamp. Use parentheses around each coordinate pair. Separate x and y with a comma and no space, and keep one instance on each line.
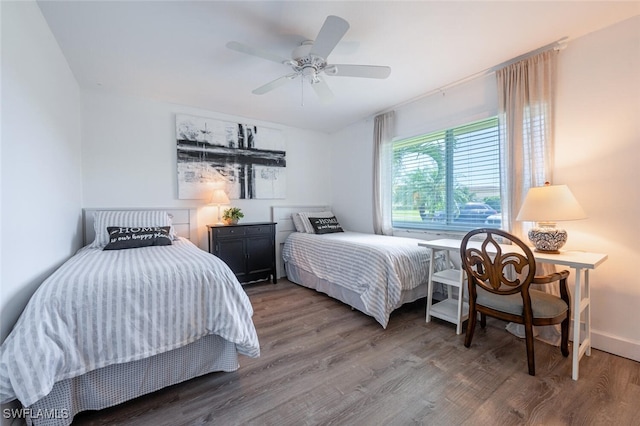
(217,198)
(546,205)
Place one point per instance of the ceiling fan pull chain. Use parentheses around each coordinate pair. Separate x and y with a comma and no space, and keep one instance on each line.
(301,92)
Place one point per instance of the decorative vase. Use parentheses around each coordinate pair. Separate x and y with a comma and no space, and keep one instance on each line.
(231,221)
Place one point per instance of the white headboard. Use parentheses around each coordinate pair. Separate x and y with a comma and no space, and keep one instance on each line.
(284,227)
(184,221)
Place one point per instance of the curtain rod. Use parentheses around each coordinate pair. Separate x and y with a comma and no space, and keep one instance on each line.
(557,45)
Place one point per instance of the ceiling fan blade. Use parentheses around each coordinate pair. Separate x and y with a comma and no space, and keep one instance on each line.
(323,91)
(366,71)
(332,31)
(274,84)
(243,48)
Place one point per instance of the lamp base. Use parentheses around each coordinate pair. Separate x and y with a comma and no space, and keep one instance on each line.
(548,239)
(546,251)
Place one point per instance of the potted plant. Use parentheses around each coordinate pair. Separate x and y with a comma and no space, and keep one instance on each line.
(232,215)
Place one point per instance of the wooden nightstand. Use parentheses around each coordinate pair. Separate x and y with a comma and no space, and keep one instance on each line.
(248,248)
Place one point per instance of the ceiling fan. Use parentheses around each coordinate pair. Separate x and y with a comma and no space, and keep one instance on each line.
(309,60)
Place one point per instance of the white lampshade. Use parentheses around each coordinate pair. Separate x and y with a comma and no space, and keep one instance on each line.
(550,203)
(219,197)
(546,205)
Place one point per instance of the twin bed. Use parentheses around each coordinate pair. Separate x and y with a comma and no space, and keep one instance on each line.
(374,274)
(111,325)
(114,323)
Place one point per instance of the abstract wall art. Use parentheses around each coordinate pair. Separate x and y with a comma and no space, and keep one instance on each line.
(249,160)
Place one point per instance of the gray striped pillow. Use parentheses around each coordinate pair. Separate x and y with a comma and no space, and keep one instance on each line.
(127,218)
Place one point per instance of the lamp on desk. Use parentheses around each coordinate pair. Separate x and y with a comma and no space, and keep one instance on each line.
(217,198)
(546,205)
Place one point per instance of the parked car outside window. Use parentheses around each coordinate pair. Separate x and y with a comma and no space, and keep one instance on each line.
(493,221)
(475,213)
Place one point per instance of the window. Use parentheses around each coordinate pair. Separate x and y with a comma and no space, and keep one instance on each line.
(448,180)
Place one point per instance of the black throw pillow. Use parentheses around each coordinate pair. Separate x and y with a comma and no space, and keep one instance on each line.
(325,225)
(134,237)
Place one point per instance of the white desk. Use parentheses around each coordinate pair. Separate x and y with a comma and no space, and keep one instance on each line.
(451,309)
(581,262)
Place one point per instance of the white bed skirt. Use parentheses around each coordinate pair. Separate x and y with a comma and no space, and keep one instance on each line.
(118,383)
(349,297)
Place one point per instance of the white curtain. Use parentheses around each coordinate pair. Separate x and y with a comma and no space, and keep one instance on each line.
(526,98)
(526,101)
(382,163)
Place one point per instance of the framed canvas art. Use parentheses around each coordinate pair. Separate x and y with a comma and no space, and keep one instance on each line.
(249,160)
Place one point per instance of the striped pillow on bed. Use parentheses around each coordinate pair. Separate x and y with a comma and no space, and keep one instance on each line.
(127,218)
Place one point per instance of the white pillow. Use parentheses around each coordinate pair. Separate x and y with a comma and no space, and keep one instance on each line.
(297,222)
(305,219)
(127,218)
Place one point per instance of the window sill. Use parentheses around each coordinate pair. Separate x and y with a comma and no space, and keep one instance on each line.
(430,233)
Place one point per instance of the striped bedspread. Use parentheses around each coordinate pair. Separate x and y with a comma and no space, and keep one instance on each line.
(108,307)
(376,267)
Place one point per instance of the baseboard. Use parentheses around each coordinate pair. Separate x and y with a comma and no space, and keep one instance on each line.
(616,345)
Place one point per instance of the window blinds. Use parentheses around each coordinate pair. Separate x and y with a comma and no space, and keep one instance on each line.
(440,174)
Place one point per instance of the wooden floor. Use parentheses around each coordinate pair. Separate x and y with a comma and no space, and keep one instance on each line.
(323,363)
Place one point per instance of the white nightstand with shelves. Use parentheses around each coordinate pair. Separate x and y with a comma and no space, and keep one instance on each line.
(453,309)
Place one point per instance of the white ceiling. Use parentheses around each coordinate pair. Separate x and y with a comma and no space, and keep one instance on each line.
(175,51)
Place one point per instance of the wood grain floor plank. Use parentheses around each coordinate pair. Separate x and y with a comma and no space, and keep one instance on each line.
(323,363)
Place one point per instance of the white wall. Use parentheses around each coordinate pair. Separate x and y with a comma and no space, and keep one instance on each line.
(597,155)
(129,159)
(352,177)
(41,176)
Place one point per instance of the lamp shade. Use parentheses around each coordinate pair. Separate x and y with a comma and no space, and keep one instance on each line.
(219,197)
(550,203)
(546,205)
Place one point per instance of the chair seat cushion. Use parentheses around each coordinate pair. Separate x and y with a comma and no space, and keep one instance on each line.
(544,305)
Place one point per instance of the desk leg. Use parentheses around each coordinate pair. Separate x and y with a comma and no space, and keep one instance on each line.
(580,304)
(587,312)
(430,284)
(460,301)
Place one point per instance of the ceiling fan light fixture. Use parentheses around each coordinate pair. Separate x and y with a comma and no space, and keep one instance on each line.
(310,74)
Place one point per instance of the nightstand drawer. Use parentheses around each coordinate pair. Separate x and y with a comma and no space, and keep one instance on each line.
(228,231)
(259,229)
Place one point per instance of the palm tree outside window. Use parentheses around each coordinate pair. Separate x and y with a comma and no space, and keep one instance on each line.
(449,179)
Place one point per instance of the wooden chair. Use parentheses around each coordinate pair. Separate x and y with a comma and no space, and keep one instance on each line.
(499,287)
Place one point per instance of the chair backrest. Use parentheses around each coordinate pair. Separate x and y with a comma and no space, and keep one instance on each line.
(493,269)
